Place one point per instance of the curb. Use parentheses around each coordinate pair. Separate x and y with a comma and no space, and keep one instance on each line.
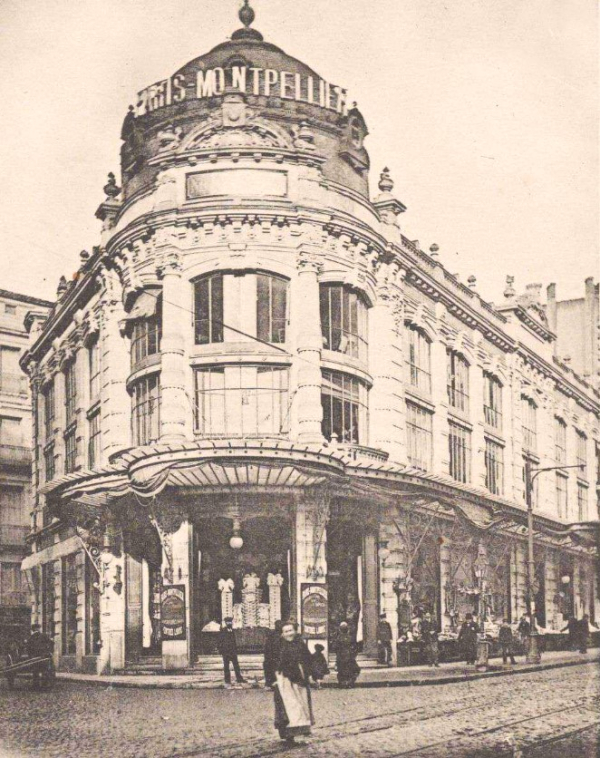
(218,685)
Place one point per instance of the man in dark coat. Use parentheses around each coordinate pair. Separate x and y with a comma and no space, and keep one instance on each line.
(345,659)
(467,639)
(505,639)
(583,632)
(271,654)
(39,645)
(228,649)
(572,628)
(384,640)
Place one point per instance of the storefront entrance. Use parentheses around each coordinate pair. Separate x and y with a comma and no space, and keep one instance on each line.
(250,583)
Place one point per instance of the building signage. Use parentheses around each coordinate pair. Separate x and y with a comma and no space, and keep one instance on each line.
(172,612)
(249,80)
(314,611)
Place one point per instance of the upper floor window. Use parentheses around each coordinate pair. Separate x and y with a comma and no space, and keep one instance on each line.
(70,451)
(418,361)
(458,381)
(560,441)
(145,410)
(49,410)
(494,467)
(94,371)
(11,431)
(12,380)
(419,433)
(562,503)
(597,446)
(459,443)
(343,320)
(241,400)
(492,401)
(582,501)
(529,424)
(344,401)
(147,328)
(94,438)
(239,306)
(70,393)
(581,454)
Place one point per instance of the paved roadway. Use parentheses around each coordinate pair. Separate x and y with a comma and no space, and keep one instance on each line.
(546,714)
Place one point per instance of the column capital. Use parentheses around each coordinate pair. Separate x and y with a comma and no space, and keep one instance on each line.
(308,262)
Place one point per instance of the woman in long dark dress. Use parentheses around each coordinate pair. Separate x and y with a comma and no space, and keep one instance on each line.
(293,707)
(467,639)
(345,658)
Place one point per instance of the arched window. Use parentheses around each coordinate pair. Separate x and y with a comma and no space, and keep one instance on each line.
(228,306)
(418,359)
(343,320)
(492,401)
(458,381)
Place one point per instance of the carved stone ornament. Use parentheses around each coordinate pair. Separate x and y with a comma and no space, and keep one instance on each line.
(252,131)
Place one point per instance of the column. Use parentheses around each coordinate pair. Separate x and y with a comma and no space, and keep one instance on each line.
(112,613)
(175,413)
(114,365)
(391,569)
(552,588)
(386,398)
(370,605)
(310,548)
(518,580)
(309,343)
(177,593)
(445,569)
(81,616)
(439,396)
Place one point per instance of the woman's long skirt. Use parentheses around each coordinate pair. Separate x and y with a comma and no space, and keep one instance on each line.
(293,708)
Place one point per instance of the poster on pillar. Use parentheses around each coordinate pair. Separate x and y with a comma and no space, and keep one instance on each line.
(172,612)
(314,611)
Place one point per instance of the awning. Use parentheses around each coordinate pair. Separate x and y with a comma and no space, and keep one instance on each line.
(52,553)
(144,306)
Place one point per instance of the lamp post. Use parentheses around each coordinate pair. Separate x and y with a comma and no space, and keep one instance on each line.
(533,651)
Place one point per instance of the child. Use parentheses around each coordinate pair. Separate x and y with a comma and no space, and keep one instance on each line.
(319,667)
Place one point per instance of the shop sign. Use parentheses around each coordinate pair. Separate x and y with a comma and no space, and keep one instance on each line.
(250,80)
(172,612)
(314,611)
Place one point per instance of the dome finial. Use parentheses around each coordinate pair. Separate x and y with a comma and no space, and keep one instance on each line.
(246,14)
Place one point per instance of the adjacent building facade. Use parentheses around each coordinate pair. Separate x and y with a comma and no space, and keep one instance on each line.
(15,464)
(258,398)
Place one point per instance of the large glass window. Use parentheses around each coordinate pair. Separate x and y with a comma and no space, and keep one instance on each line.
(560,441)
(70,451)
(529,424)
(208,309)
(494,467)
(241,400)
(49,462)
(458,381)
(492,401)
(13,516)
(459,442)
(94,438)
(582,501)
(11,432)
(92,609)
(69,604)
(343,320)
(271,308)
(145,338)
(581,455)
(418,359)
(12,590)
(70,393)
(145,410)
(562,503)
(94,371)
(419,436)
(344,400)
(49,410)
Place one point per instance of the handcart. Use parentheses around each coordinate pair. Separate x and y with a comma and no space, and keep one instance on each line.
(40,667)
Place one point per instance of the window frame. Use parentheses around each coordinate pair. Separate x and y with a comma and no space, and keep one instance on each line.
(419,437)
(458,374)
(216,301)
(353,408)
(416,339)
(492,401)
(560,440)
(145,425)
(459,470)
(352,317)
(494,466)
(276,331)
(529,433)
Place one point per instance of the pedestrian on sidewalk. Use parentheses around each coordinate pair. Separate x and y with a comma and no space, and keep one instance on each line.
(583,632)
(39,645)
(228,649)
(572,628)
(319,668)
(433,649)
(345,658)
(428,630)
(524,629)
(467,639)
(505,638)
(293,706)
(384,640)
(271,654)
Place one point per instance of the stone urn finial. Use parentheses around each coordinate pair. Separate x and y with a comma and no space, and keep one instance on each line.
(510,290)
(386,183)
(111,189)
(433,250)
(472,280)
(246,14)
(62,287)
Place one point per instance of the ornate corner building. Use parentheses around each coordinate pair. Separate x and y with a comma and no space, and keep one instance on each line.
(259,399)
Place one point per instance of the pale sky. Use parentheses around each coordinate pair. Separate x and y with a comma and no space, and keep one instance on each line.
(485,111)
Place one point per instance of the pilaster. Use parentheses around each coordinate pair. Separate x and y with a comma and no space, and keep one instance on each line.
(439,396)
(476,415)
(112,613)
(177,570)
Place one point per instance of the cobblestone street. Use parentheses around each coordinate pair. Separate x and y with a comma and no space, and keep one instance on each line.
(547,713)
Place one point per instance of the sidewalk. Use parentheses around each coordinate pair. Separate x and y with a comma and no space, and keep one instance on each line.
(413,676)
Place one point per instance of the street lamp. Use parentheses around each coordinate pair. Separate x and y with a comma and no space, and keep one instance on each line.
(533,651)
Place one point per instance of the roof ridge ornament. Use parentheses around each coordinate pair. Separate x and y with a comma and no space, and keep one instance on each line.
(246,15)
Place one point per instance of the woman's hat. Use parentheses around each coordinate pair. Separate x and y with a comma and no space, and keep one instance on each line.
(319,648)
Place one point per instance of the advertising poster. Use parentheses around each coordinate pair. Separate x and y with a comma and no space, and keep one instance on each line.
(172,612)
(314,611)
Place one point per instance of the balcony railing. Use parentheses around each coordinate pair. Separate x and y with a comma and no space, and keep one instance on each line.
(16,455)
(13,535)
(13,384)
(360,451)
